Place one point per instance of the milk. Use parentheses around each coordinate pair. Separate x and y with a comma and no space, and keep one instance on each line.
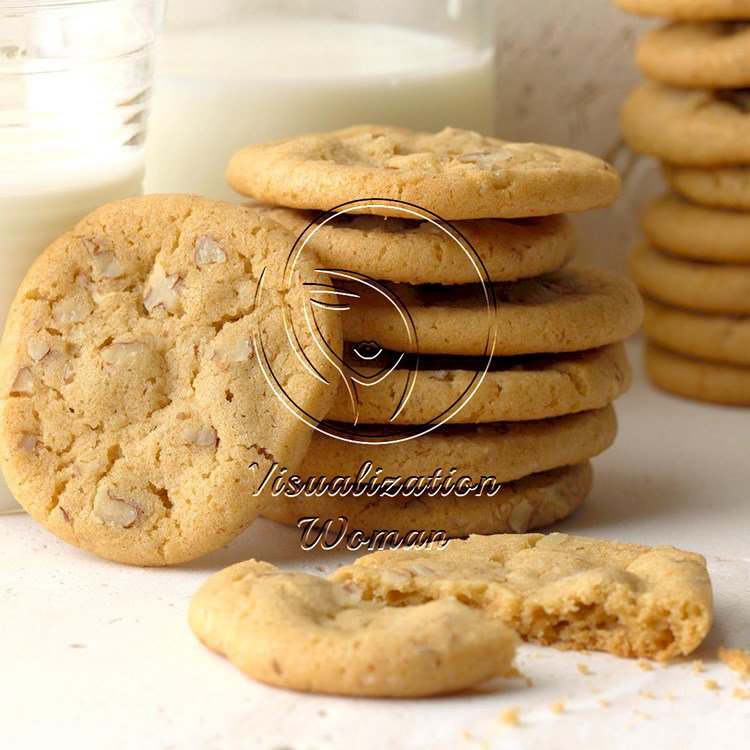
(220,89)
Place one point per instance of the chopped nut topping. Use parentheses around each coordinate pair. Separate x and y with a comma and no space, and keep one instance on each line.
(420,570)
(207,250)
(111,509)
(161,290)
(37,349)
(519,517)
(23,383)
(204,437)
(104,261)
(68,311)
(68,374)
(241,351)
(29,443)
(116,354)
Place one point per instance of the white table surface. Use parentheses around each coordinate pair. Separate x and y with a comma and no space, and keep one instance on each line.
(94,654)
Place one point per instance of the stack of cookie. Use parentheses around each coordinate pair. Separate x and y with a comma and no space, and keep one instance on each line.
(694,268)
(473,350)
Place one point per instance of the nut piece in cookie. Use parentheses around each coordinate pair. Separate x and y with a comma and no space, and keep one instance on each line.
(306,633)
(573,592)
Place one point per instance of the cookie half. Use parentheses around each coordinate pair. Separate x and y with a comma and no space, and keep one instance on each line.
(720,338)
(689,10)
(519,506)
(303,632)
(697,379)
(420,252)
(691,284)
(697,232)
(571,591)
(133,399)
(695,128)
(570,310)
(722,187)
(513,389)
(697,55)
(456,174)
(505,451)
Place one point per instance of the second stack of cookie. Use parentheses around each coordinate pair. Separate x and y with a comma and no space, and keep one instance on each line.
(693,114)
(543,408)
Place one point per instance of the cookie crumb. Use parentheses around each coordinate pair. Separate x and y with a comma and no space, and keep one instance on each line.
(711,685)
(670,696)
(737,659)
(557,708)
(738,692)
(697,666)
(529,682)
(509,717)
(646,666)
(648,694)
(642,714)
(603,702)
(583,669)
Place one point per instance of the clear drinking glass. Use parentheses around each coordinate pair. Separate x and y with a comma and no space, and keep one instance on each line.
(234,72)
(75,86)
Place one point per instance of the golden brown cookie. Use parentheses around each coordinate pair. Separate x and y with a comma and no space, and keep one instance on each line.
(697,55)
(529,503)
(720,338)
(689,10)
(721,187)
(691,284)
(421,252)
(697,379)
(303,632)
(571,591)
(132,395)
(697,232)
(505,451)
(695,128)
(570,310)
(457,174)
(513,388)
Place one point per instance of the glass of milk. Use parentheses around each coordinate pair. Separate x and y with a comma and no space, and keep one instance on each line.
(75,83)
(234,72)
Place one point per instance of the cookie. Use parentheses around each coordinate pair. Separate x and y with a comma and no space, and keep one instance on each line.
(303,632)
(519,506)
(573,592)
(456,174)
(694,128)
(697,232)
(513,388)
(697,55)
(691,284)
(689,10)
(570,310)
(723,187)
(694,378)
(132,397)
(505,451)
(721,338)
(420,252)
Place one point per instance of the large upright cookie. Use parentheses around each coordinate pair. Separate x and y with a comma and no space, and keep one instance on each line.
(721,187)
(690,284)
(689,10)
(697,55)
(303,632)
(696,128)
(457,174)
(716,382)
(570,310)
(697,232)
(512,389)
(575,592)
(135,418)
(721,338)
(420,252)
(516,507)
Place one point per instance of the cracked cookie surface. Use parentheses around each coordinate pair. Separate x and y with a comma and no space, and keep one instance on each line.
(306,633)
(570,591)
(457,174)
(133,403)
